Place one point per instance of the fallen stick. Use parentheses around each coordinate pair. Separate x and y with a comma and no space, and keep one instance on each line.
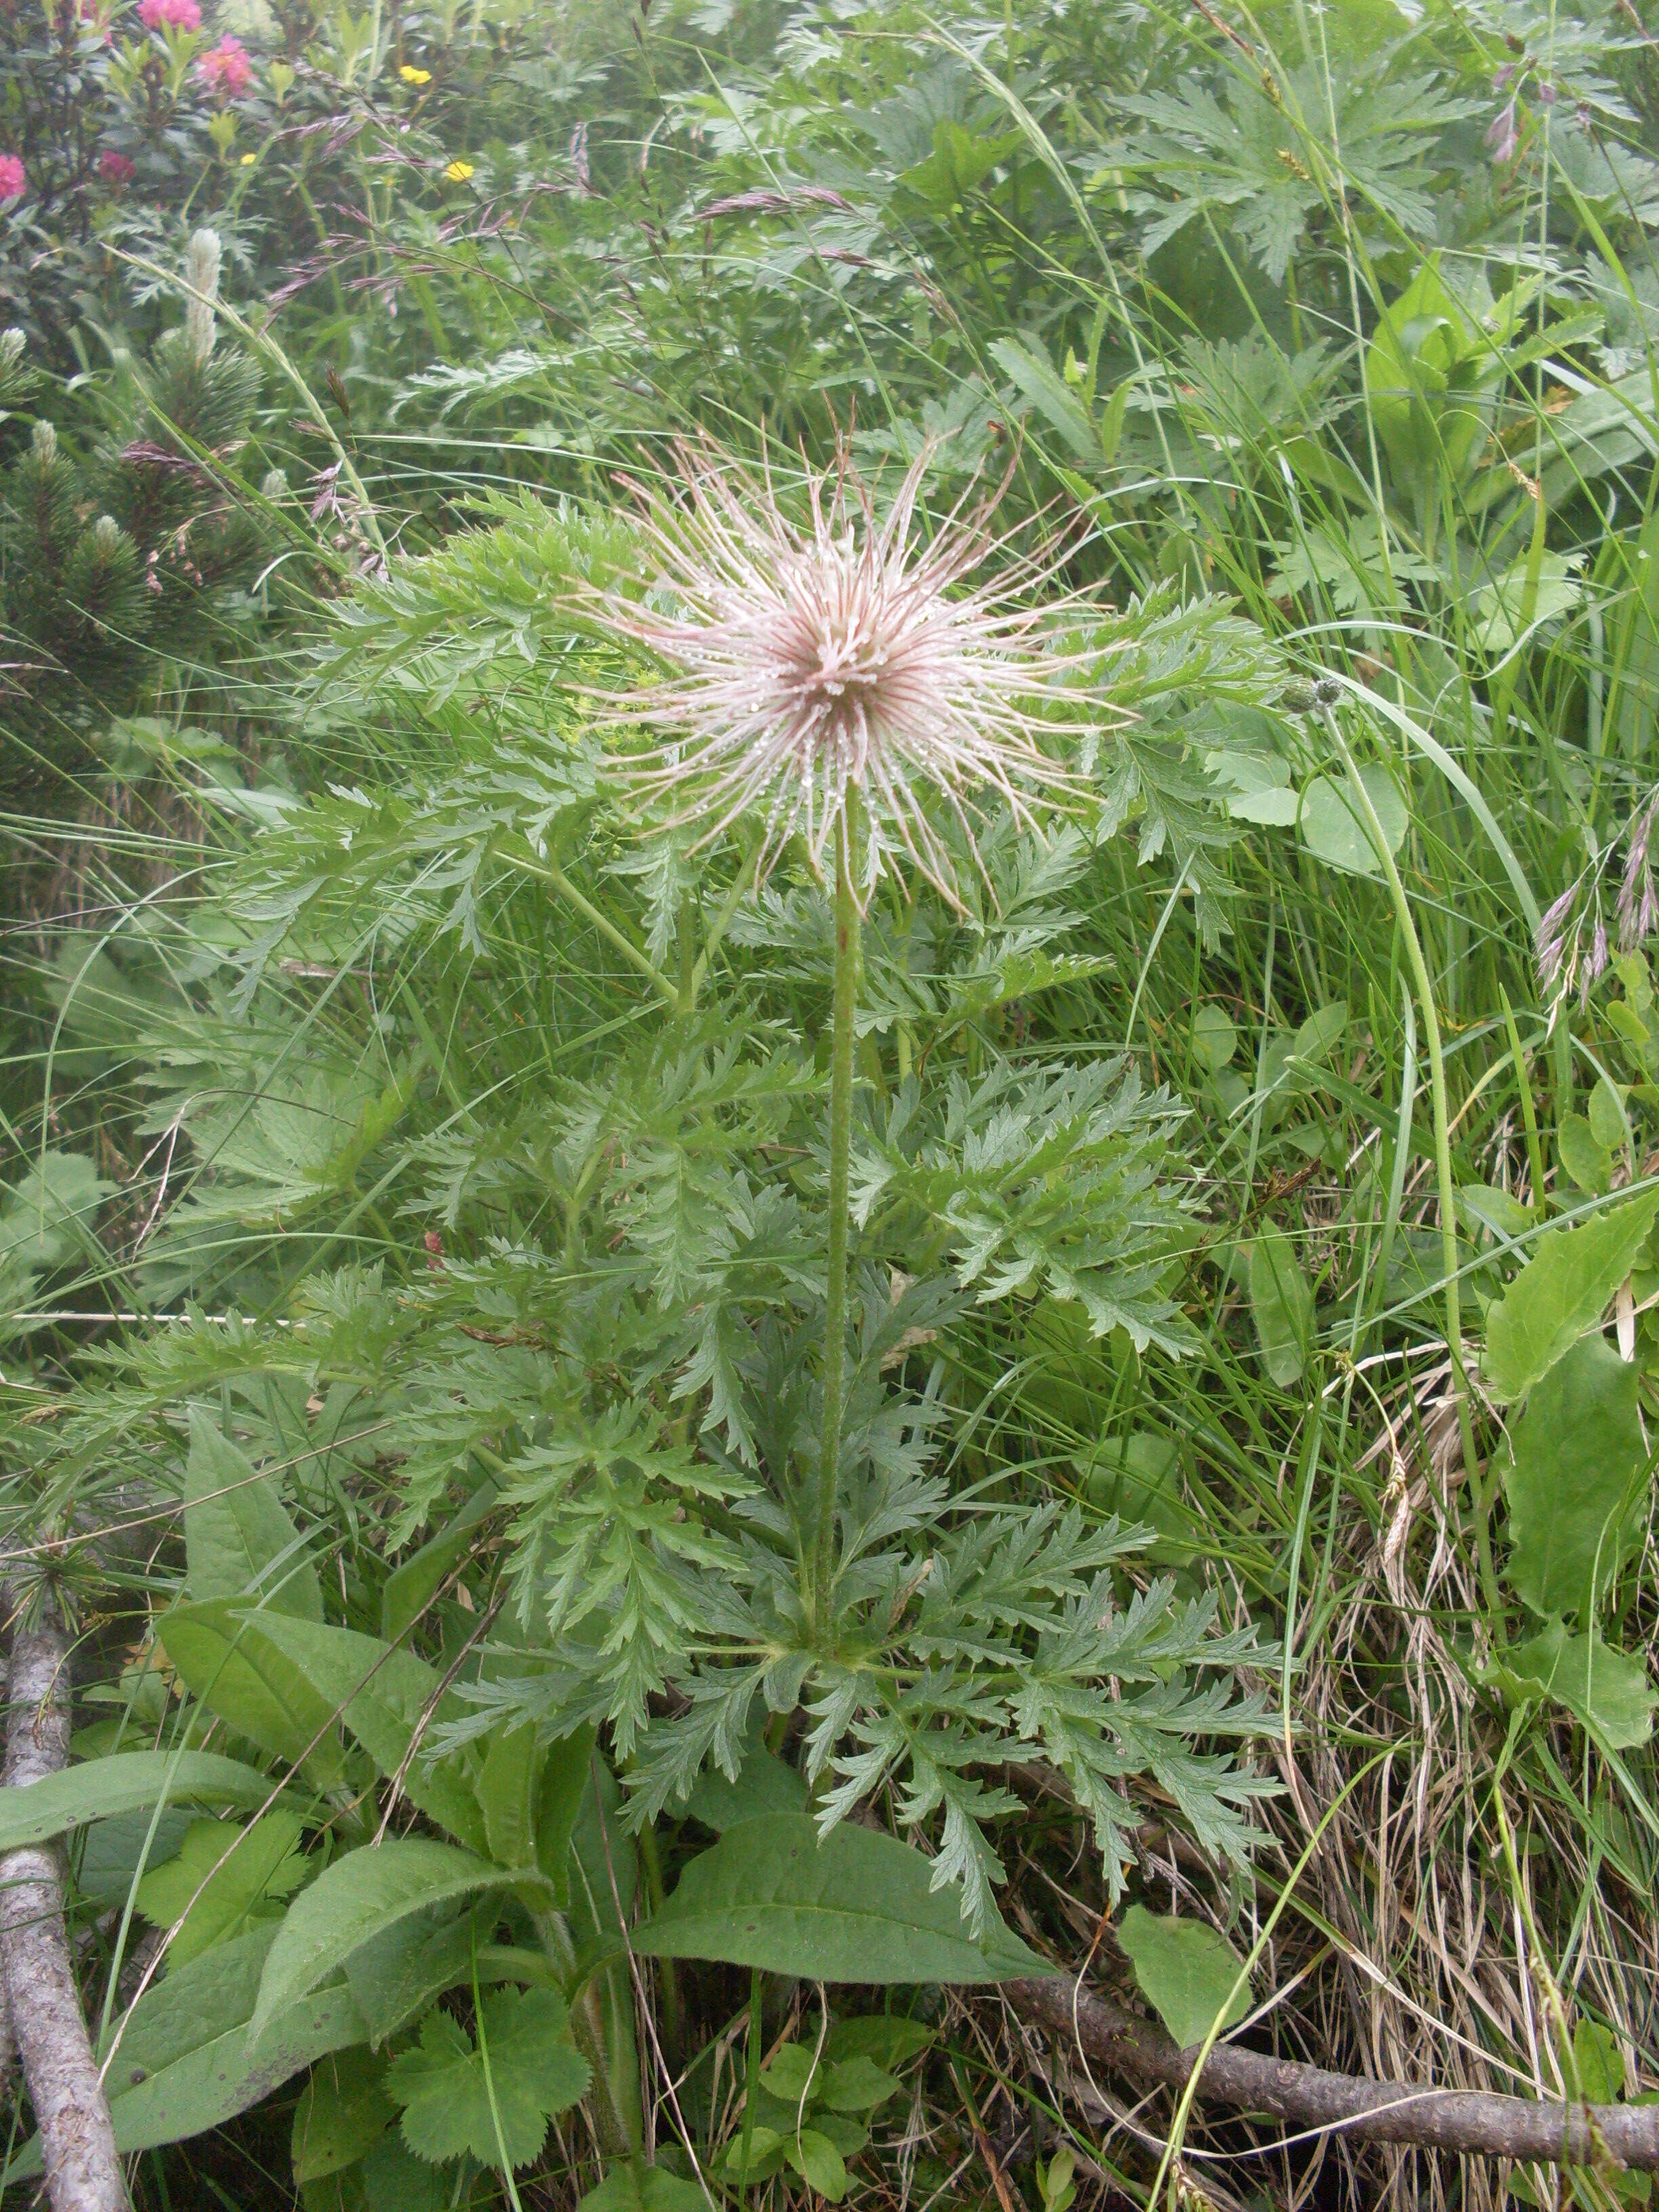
(77,2141)
(1461,2122)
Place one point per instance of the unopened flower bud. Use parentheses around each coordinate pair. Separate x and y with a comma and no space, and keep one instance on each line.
(202,275)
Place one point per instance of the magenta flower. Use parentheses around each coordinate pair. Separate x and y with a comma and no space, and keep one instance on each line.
(13,181)
(833,671)
(225,68)
(170,15)
(1502,137)
(114,168)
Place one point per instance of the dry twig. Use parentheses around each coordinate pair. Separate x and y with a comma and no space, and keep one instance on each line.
(77,2139)
(1460,2122)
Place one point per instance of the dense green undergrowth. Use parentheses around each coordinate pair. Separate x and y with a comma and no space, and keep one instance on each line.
(509,1770)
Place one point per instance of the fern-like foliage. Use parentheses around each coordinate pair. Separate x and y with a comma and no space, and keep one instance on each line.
(576,1083)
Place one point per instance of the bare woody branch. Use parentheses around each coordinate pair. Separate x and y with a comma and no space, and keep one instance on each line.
(77,2141)
(1461,2123)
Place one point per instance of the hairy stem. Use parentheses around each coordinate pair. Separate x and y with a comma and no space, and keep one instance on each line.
(841,1151)
(590,2022)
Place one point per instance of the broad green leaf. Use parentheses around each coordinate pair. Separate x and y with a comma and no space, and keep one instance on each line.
(358,1898)
(533,2071)
(242,1676)
(183,2063)
(1599,2062)
(192,2005)
(1417,371)
(1281,1306)
(1049,395)
(1506,608)
(1186,1971)
(1215,1039)
(129,1782)
(857,1907)
(107,1856)
(959,163)
(1333,827)
(566,1781)
(1257,787)
(816,2159)
(220,2079)
(343,2110)
(1321,1032)
(395,2180)
(383,1695)
(223,1877)
(1055,2183)
(792,2072)
(1588,1162)
(395,1975)
(1484,1206)
(239,1539)
(508,1791)
(1606,1691)
(886,2039)
(858,2085)
(765,2152)
(410,1588)
(1607,1122)
(653,2190)
(605,1868)
(1577,1449)
(48,1217)
(764,1784)
(1563,1290)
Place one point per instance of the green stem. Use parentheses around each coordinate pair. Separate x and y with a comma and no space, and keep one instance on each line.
(841,1151)
(609,2055)
(751,2091)
(551,873)
(729,905)
(1523,1084)
(1443,1170)
(673,2019)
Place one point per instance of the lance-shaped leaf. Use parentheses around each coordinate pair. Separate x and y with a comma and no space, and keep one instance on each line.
(359,1897)
(131,1781)
(856,1907)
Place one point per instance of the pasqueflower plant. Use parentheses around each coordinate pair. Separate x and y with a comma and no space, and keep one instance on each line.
(884,709)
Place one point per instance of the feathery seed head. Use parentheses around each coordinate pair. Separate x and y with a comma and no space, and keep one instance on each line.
(812,668)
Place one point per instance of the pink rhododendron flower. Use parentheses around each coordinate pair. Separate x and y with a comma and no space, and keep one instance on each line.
(12,179)
(170,15)
(225,68)
(114,168)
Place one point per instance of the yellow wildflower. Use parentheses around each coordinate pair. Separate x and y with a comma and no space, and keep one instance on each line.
(458,172)
(248,160)
(410,74)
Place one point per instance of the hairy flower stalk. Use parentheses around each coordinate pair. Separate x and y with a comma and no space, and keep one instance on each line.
(842,1039)
(847,680)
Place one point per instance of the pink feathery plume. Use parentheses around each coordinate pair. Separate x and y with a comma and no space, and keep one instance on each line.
(809,662)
